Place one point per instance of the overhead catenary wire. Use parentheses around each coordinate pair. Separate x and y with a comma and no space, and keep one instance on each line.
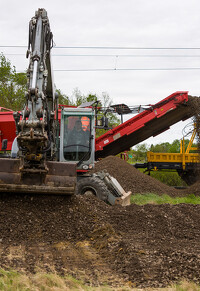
(125,69)
(119,55)
(119,69)
(111,47)
(113,55)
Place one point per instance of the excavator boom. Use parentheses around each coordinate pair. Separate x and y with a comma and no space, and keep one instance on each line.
(37,170)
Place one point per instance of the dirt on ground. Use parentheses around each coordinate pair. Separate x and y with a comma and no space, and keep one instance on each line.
(146,246)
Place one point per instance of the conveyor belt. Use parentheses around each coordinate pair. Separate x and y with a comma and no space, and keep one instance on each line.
(156,119)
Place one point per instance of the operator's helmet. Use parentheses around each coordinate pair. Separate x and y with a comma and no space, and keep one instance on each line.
(85,122)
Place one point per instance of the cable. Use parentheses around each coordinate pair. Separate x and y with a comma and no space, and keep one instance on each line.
(131,69)
(14,46)
(113,48)
(140,56)
(188,129)
(115,69)
(127,48)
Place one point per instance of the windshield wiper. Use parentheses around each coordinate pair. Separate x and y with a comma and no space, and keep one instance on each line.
(83,158)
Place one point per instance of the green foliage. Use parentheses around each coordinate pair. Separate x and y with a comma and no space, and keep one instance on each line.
(15,281)
(150,198)
(114,121)
(104,102)
(160,148)
(175,147)
(166,147)
(12,85)
(62,98)
(78,98)
(140,152)
(170,178)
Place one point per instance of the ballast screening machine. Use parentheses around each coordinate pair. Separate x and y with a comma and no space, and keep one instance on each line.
(47,152)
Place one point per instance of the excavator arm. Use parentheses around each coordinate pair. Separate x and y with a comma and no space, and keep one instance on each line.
(37,163)
(36,136)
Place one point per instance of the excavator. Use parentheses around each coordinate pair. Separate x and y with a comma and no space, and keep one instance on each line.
(54,148)
(51,146)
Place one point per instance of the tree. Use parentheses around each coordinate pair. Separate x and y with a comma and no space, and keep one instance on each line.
(12,85)
(104,102)
(175,146)
(78,98)
(140,152)
(160,148)
(62,98)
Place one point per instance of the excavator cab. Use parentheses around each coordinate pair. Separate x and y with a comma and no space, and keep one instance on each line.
(77,137)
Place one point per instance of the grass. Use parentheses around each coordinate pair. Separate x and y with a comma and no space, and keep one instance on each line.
(150,198)
(170,178)
(14,281)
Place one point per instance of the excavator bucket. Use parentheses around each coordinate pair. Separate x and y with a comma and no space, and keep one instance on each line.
(116,194)
(124,200)
(60,178)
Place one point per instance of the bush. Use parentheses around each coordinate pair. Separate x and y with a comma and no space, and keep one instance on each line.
(169,178)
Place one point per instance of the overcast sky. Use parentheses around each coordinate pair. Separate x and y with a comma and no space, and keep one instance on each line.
(114,23)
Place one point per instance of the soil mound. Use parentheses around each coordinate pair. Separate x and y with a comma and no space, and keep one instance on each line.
(193,189)
(146,245)
(132,179)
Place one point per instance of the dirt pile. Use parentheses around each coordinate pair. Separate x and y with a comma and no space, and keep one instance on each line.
(132,179)
(193,189)
(147,245)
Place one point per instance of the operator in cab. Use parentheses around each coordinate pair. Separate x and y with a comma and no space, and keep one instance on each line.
(77,135)
(77,143)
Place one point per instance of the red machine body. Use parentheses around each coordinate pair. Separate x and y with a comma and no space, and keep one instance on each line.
(156,119)
(7,128)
